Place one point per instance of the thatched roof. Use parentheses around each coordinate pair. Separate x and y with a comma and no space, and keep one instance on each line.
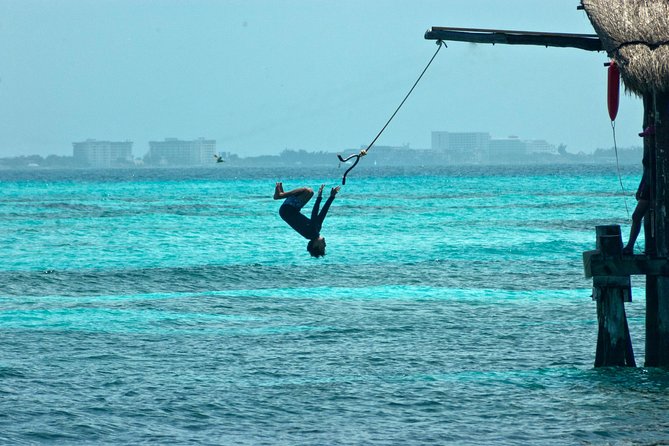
(636,34)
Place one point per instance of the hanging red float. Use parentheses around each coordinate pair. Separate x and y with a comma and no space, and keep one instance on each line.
(613,97)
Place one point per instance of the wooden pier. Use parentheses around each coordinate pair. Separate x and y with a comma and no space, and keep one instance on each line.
(635,35)
(610,270)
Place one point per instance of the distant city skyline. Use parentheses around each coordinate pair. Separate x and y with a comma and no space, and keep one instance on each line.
(384,156)
(277,150)
(471,146)
(259,76)
(170,151)
(447,148)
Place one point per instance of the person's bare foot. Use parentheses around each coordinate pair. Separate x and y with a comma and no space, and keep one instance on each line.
(278,190)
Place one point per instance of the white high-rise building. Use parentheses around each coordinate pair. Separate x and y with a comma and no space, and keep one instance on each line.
(176,152)
(93,153)
(508,149)
(460,147)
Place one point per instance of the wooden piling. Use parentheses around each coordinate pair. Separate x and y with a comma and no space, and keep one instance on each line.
(652,345)
(614,344)
(657,288)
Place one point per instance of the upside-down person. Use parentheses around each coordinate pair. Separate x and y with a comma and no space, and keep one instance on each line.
(309,228)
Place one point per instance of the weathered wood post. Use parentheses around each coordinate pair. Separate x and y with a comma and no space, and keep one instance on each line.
(614,344)
(652,346)
(657,288)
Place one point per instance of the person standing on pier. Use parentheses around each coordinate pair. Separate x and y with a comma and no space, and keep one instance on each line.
(643,201)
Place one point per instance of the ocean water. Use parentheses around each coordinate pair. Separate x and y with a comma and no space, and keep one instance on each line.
(176,307)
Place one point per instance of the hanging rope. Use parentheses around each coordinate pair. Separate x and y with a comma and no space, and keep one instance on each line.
(612,103)
(620,179)
(363,152)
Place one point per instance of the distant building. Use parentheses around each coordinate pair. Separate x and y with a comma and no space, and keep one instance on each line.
(462,147)
(540,146)
(175,152)
(507,150)
(92,153)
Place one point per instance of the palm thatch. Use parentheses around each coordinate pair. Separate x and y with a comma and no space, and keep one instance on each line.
(635,33)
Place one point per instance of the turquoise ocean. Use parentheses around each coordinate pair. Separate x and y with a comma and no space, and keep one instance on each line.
(174,306)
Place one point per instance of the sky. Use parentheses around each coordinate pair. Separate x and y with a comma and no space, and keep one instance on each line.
(262,76)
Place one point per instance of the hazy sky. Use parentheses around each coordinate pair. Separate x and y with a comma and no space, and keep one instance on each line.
(260,76)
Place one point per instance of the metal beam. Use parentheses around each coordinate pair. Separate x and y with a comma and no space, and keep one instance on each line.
(589,42)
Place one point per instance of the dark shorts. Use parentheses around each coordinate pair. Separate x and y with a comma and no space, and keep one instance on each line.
(297,201)
(294,202)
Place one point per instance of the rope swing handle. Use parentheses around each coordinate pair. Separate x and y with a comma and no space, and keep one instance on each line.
(357,157)
(363,152)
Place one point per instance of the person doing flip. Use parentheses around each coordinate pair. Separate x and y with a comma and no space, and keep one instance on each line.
(309,228)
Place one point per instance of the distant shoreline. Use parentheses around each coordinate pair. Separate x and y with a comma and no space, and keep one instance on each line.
(379,158)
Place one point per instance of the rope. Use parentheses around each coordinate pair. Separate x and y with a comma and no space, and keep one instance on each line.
(363,152)
(620,179)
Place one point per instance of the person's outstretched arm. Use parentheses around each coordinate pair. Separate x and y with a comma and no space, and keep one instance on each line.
(317,204)
(327,204)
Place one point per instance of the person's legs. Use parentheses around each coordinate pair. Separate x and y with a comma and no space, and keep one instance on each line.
(299,197)
(305,196)
(637,217)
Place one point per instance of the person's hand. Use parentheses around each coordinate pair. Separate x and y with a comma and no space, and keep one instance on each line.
(320,190)
(334,191)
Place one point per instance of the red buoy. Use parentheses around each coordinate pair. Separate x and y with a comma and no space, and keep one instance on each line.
(613,98)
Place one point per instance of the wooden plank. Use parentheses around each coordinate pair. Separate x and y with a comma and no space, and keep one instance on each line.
(611,281)
(596,264)
(589,42)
